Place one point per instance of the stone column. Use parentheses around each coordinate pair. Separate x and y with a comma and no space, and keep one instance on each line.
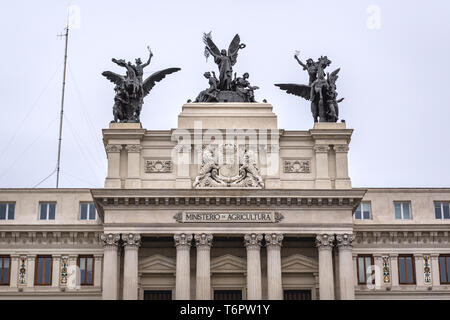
(30,269)
(203,287)
(253,245)
(346,274)
(98,270)
(394,270)
(74,272)
(342,178)
(56,269)
(14,270)
(133,180)
(322,175)
(183,273)
(420,281)
(274,276)
(435,276)
(110,246)
(324,244)
(113,178)
(131,242)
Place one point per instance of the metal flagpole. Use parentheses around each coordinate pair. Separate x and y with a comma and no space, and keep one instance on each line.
(62,106)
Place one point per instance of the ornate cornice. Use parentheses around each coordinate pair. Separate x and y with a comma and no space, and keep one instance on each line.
(131,239)
(182,240)
(110,239)
(203,240)
(344,241)
(273,239)
(113,148)
(253,240)
(324,241)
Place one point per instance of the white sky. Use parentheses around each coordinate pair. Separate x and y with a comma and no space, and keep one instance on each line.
(395,79)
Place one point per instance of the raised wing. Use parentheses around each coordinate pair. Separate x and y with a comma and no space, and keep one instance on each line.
(234,48)
(333,76)
(150,82)
(211,45)
(114,77)
(300,90)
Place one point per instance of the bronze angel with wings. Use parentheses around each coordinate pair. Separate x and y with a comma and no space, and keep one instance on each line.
(131,89)
(224,59)
(321,91)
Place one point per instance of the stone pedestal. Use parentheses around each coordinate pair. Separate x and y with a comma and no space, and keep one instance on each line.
(324,244)
(346,275)
(274,277)
(131,243)
(203,284)
(110,283)
(183,268)
(253,245)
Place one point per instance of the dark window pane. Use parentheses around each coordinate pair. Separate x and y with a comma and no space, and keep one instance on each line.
(406,211)
(11,209)
(51,211)
(401,268)
(409,270)
(2,211)
(366,212)
(446,210)
(361,271)
(89,271)
(5,270)
(83,214)
(43,211)
(92,211)
(448,269)
(398,212)
(358,212)
(442,268)
(40,274)
(437,210)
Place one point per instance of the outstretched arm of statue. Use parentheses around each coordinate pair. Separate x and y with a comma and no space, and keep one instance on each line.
(300,62)
(211,52)
(149,57)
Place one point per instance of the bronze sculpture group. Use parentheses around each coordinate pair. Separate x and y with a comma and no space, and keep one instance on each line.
(130,89)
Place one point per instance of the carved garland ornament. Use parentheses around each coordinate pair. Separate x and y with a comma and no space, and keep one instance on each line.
(22,270)
(297,166)
(386,269)
(158,166)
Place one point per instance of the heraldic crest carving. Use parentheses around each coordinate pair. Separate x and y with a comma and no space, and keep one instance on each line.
(223,166)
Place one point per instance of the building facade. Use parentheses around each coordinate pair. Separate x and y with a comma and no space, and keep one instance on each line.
(225,206)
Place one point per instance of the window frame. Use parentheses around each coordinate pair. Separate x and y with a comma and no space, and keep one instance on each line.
(442,210)
(447,257)
(362,211)
(2,270)
(372,260)
(47,213)
(36,268)
(402,202)
(413,264)
(8,203)
(85,274)
(88,211)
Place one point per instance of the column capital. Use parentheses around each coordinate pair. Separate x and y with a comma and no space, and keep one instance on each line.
(253,240)
(113,148)
(324,241)
(133,147)
(203,240)
(343,148)
(131,240)
(110,240)
(321,148)
(273,240)
(182,240)
(344,241)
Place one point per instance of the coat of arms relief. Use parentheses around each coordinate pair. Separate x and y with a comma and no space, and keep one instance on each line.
(226,165)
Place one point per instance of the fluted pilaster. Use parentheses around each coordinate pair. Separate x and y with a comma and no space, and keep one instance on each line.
(324,244)
(183,245)
(274,278)
(253,245)
(203,243)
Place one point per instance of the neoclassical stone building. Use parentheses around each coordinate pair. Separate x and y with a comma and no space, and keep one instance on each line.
(202,212)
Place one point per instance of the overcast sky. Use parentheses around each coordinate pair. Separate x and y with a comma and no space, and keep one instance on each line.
(393,55)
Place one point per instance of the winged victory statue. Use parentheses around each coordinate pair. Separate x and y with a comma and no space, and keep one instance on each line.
(321,90)
(130,89)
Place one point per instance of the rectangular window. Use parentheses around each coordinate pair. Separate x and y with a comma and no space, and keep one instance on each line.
(402,210)
(43,272)
(444,268)
(363,211)
(7,211)
(86,265)
(364,262)
(441,210)
(47,210)
(406,269)
(88,211)
(5,267)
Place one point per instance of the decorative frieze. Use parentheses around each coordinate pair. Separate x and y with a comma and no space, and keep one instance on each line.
(203,239)
(22,278)
(386,269)
(64,273)
(113,148)
(344,241)
(324,241)
(427,269)
(253,240)
(405,238)
(297,166)
(110,239)
(273,239)
(131,239)
(158,166)
(182,240)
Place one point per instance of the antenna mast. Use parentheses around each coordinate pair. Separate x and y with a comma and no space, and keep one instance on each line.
(62,106)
